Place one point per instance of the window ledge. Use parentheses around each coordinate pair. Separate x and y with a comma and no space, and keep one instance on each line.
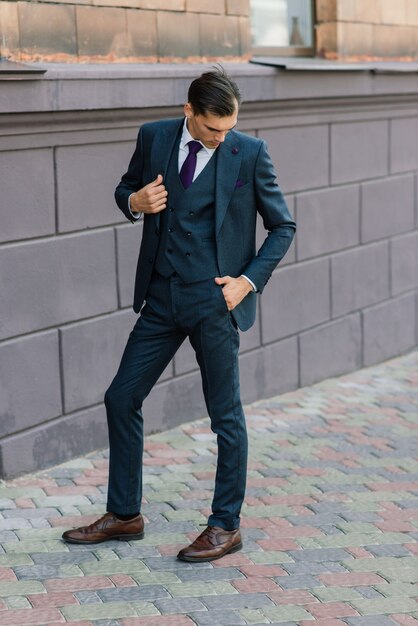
(10,70)
(324,65)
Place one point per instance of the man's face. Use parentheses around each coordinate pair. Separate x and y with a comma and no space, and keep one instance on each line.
(210,129)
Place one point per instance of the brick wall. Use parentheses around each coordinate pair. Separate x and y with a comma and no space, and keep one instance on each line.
(372,29)
(125,30)
(345,296)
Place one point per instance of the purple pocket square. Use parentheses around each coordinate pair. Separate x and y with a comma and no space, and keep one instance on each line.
(239,184)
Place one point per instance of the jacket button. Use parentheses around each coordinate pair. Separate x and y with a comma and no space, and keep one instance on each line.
(189,234)
(170,230)
(151,260)
(171,209)
(187,253)
(191,212)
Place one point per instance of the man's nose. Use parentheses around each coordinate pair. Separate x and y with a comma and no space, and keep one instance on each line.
(220,137)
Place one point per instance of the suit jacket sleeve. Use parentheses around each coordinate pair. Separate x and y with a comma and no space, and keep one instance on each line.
(132,180)
(276,219)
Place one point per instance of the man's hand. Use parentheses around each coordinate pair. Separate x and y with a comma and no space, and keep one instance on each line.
(234,289)
(150,199)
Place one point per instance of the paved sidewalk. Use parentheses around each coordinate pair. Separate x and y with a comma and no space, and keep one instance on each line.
(330,522)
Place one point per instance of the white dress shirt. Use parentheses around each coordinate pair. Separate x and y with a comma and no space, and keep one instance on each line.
(202,159)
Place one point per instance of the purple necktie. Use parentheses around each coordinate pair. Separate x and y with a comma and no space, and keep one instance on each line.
(189,165)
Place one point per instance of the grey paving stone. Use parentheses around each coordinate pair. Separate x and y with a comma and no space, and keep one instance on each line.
(237,601)
(342,488)
(220,618)
(7,535)
(408,504)
(75,547)
(170,563)
(388,549)
(323,519)
(164,526)
(39,522)
(6,503)
(370,620)
(63,558)
(37,572)
(64,482)
(138,551)
(87,597)
(313,567)
(253,533)
(361,516)
(220,573)
(297,582)
(250,546)
(192,505)
(368,592)
(133,594)
(63,472)
(172,606)
(330,530)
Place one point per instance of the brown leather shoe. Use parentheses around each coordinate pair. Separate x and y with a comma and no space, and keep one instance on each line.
(105,528)
(212,544)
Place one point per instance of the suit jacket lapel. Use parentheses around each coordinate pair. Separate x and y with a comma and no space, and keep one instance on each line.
(162,147)
(227,169)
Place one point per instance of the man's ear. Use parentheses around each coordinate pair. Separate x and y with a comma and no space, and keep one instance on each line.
(188,110)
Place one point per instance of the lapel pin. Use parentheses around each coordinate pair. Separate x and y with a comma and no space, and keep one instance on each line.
(234,150)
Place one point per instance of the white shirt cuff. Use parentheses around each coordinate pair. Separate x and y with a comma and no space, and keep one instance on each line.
(136,216)
(250,281)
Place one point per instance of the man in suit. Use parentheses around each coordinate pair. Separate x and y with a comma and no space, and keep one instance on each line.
(198,184)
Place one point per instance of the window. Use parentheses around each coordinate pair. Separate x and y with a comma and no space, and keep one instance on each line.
(282,27)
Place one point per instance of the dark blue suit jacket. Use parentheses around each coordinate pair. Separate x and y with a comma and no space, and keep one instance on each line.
(245,184)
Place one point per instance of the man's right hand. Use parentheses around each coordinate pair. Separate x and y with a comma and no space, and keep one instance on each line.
(150,199)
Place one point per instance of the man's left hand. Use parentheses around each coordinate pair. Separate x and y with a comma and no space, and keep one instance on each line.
(234,289)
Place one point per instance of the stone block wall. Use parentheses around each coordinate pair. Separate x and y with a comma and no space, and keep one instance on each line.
(167,31)
(345,296)
(124,30)
(372,29)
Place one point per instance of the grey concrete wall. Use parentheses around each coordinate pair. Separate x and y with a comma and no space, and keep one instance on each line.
(346,295)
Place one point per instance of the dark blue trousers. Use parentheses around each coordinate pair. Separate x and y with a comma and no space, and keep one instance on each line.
(173,311)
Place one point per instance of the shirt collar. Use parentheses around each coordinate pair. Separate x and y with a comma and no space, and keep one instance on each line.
(186,137)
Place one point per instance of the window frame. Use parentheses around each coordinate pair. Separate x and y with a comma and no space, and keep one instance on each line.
(288,51)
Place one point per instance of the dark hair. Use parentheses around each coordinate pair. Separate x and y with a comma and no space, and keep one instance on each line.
(214,92)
